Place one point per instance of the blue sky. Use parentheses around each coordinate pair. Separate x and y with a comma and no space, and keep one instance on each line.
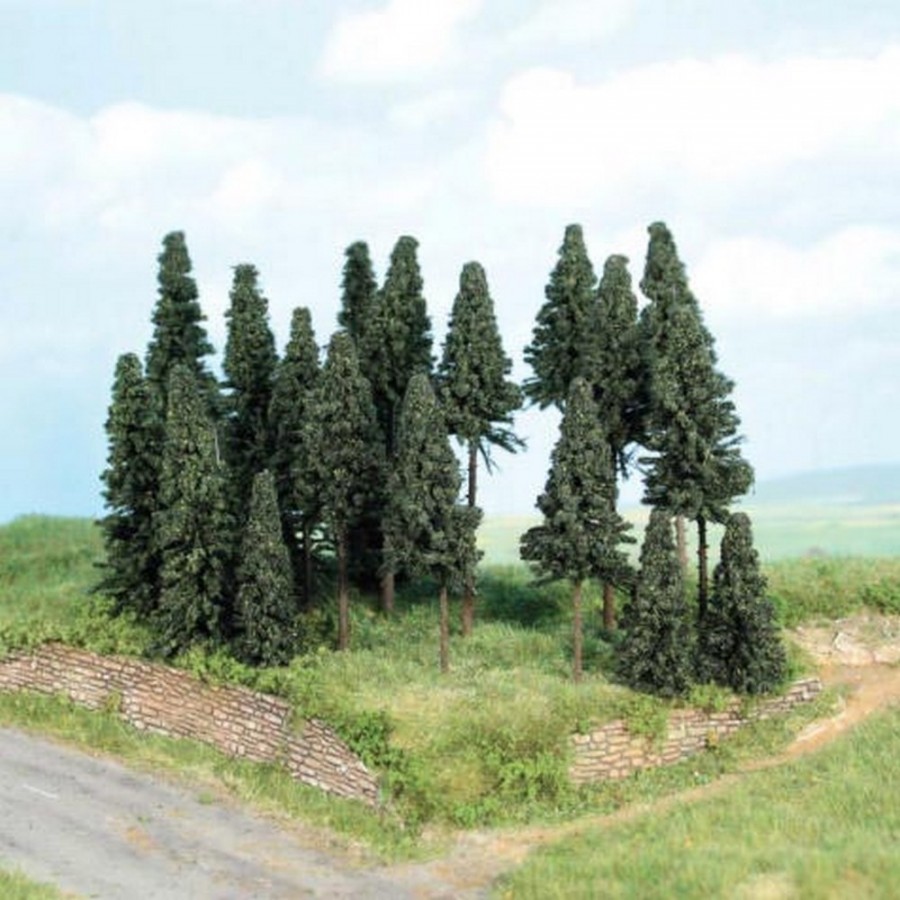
(766,134)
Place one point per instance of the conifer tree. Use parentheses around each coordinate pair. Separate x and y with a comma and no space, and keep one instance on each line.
(349,464)
(397,344)
(192,525)
(616,374)
(249,367)
(475,391)
(562,347)
(581,533)
(265,608)
(428,532)
(656,652)
(739,642)
(696,469)
(295,378)
(178,335)
(358,292)
(131,576)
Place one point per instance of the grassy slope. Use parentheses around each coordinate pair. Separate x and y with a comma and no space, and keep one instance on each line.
(821,827)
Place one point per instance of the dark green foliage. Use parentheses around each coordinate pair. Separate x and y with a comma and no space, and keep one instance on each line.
(358,291)
(581,534)
(476,394)
(428,532)
(249,366)
(349,464)
(292,397)
(656,652)
(562,347)
(192,525)
(265,607)
(691,425)
(398,342)
(739,642)
(618,365)
(178,336)
(131,570)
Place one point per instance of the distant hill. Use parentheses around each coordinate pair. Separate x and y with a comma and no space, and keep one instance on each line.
(875,485)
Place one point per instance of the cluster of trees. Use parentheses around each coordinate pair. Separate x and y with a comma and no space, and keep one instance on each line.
(227,499)
(642,388)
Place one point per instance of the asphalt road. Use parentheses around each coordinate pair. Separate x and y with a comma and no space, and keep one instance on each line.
(94,828)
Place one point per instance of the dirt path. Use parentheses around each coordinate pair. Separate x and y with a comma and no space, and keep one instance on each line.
(859,655)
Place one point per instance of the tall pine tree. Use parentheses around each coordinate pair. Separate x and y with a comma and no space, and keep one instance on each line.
(739,644)
(397,345)
(131,570)
(428,532)
(358,292)
(265,607)
(192,525)
(581,533)
(178,334)
(562,346)
(696,469)
(295,379)
(476,393)
(656,651)
(349,464)
(249,366)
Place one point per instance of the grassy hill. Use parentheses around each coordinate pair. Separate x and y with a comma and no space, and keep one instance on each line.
(843,512)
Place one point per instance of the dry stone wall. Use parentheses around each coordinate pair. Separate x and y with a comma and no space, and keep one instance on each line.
(166,701)
(613,752)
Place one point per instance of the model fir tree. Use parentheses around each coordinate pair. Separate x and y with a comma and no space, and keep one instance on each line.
(358,292)
(179,337)
(428,532)
(581,533)
(562,346)
(696,469)
(739,642)
(134,432)
(656,653)
(476,394)
(249,367)
(397,345)
(192,525)
(265,604)
(295,379)
(349,464)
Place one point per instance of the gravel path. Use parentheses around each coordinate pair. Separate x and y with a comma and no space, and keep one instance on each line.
(94,828)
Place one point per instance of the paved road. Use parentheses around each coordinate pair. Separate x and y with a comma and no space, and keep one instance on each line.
(92,827)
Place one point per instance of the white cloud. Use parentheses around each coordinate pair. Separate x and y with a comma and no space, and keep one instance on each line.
(428,110)
(401,39)
(573,22)
(852,271)
(557,142)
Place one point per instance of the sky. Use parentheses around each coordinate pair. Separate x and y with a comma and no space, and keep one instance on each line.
(277,132)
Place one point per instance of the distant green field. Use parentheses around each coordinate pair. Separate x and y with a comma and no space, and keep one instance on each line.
(781,531)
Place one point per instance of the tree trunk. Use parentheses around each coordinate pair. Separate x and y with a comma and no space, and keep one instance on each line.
(343,595)
(576,632)
(609,607)
(681,542)
(468,604)
(445,630)
(387,593)
(307,566)
(702,569)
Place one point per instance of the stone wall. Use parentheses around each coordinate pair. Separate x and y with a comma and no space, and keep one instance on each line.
(167,701)
(613,752)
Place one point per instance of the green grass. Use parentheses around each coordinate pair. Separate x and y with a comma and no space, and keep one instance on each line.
(16,886)
(821,827)
(486,744)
